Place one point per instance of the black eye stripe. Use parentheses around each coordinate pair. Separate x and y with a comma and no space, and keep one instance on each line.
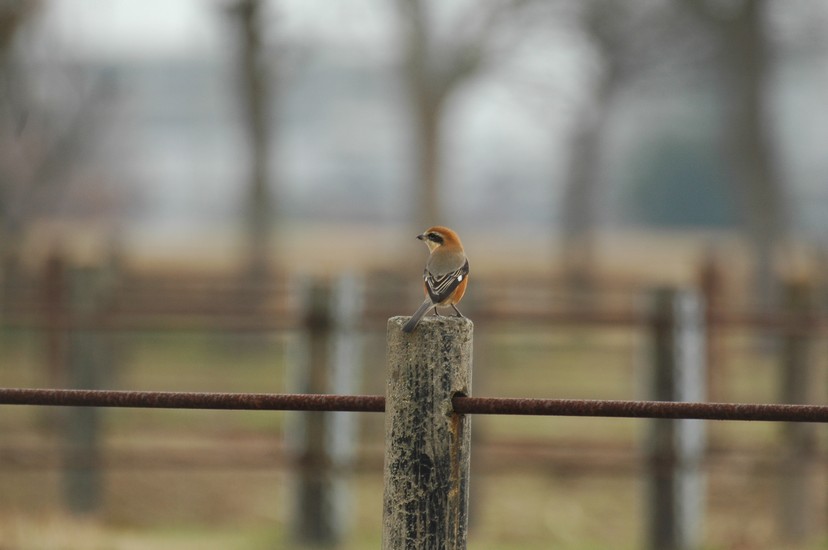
(435,237)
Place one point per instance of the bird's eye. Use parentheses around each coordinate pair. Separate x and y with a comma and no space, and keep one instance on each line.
(435,237)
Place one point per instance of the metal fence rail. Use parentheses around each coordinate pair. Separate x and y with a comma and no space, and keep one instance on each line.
(376,403)
(192,400)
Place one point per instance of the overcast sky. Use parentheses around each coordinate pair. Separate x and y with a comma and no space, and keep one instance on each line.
(126,28)
(120,28)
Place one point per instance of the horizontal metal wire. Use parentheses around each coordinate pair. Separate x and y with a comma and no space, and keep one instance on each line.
(376,403)
(641,409)
(192,400)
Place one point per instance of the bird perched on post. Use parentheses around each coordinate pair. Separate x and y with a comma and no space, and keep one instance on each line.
(446,273)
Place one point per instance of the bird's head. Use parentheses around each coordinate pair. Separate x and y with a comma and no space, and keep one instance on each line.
(437,236)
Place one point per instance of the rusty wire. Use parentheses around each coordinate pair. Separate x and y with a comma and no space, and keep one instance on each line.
(192,400)
(376,403)
(641,409)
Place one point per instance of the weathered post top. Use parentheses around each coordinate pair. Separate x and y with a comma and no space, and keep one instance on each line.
(437,342)
(426,472)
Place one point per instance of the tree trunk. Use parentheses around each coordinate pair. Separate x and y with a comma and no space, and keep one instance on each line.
(579,208)
(426,107)
(429,113)
(749,139)
(258,212)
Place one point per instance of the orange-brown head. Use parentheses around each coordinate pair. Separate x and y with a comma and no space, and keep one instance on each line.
(441,237)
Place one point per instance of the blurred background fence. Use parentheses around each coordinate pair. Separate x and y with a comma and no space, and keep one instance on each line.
(84,322)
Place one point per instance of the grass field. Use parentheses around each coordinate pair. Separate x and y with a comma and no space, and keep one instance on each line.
(211,479)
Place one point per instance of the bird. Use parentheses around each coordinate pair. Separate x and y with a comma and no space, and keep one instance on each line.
(446,273)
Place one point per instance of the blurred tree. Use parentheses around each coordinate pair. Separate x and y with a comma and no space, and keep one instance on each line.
(578,213)
(256,100)
(19,163)
(632,42)
(444,45)
(744,62)
(45,126)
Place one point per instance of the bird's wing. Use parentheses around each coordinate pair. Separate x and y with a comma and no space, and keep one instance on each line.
(440,286)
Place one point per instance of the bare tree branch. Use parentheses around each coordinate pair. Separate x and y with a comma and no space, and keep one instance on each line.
(435,66)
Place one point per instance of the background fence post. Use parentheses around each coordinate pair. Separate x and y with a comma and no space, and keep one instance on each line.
(54,308)
(675,448)
(89,359)
(11,272)
(324,441)
(426,472)
(346,365)
(796,503)
(711,283)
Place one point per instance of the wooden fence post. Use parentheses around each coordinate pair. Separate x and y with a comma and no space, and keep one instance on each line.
(89,360)
(426,473)
(675,448)
(324,441)
(799,441)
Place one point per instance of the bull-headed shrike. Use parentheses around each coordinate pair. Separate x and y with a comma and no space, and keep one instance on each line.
(446,273)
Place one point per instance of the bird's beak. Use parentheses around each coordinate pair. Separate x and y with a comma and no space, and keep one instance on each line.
(421,237)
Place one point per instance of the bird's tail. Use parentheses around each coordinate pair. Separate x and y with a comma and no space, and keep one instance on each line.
(412,323)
